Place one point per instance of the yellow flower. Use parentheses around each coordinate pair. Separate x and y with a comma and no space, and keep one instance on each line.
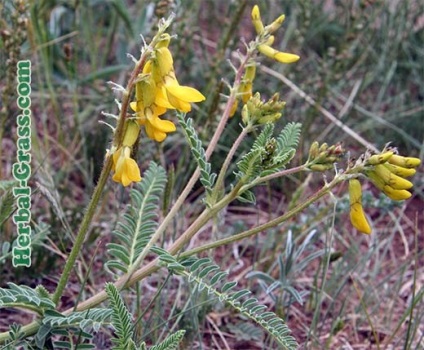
(170,94)
(125,168)
(265,32)
(176,96)
(357,215)
(148,111)
(388,172)
(279,56)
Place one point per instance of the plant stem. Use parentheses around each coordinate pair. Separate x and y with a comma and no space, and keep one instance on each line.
(220,181)
(153,266)
(85,225)
(107,167)
(323,191)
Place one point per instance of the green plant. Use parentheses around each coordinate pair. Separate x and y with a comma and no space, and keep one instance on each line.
(141,244)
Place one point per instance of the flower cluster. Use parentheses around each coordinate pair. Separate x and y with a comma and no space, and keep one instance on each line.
(322,157)
(256,111)
(263,44)
(388,172)
(266,39)
(157,90)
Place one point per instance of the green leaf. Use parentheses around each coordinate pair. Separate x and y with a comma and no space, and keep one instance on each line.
(121,319)
(140,223)
(206,177)
(171,342)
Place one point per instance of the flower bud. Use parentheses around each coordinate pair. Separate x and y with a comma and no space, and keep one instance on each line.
(314,150)
(256,20)
(379,158)
(271,28)
(405,162)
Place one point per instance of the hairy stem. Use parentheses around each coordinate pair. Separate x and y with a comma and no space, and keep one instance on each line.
(85,225)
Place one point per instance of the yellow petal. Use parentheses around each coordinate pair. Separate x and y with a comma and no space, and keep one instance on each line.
(284,57)
(396,195)
(271,28)
(132,171)
(163,125)
(406,162)
(357,215)
(133,106)
(256,20)
(185,93)
(400,171)
(159,136)
(162,99)
(379,158)
(358,218)
(397,182)
(126,169)
(150,131)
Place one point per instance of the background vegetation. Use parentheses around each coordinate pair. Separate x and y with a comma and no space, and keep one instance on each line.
(359,81)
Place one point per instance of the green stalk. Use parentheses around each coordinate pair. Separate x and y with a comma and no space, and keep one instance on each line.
(237,237)
(85,225)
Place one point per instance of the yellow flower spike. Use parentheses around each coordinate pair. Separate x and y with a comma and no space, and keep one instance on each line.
(379,158)
(400,171)
(357,215)
(131,133)
(279,56)
(256,20)
(404,162)
(396,195)
(271,28)
(125,168)
(397,182)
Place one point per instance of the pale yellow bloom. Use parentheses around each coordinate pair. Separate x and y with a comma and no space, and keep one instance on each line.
(125,168)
